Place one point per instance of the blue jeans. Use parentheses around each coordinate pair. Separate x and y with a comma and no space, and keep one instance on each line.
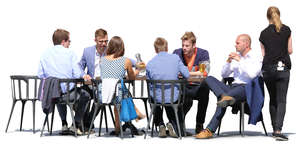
(220,89)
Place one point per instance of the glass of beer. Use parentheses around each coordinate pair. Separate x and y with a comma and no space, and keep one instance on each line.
(141,66)
(204,68)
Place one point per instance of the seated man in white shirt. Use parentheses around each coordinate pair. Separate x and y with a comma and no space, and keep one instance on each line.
(244,68)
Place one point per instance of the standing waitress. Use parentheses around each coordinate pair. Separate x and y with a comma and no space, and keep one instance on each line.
(276,46)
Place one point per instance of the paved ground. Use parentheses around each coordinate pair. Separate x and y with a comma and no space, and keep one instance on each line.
(229,132)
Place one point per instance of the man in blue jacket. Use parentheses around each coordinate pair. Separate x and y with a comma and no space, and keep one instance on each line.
(191,56)
(90,61)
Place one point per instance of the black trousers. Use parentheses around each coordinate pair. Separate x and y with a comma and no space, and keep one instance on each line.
(200,93)
(158,117)
(277,83)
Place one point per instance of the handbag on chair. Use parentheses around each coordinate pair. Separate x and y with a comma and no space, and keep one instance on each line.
(128,112)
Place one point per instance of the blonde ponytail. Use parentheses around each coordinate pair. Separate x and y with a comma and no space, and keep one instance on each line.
(273,15)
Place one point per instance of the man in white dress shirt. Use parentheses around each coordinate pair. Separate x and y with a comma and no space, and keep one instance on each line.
(244,67)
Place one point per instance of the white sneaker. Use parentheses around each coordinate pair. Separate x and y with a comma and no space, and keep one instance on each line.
(64,128)
(172,132)
(73,129)
(162,131)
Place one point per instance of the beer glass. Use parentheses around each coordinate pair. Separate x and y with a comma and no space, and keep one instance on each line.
(139,65)
(204,68)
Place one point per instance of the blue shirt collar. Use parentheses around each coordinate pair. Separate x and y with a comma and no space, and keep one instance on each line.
(162,53)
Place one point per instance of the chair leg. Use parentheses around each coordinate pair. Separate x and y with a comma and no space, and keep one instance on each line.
(112,116)
(148,122)
(152,127)
(183,123)
(48,125)
(52,119)
(219,128)
(242,118)
(146,108)
(33,114)
(43,127)
(22,114)
(87,108)
(177,122)
(101,115)
(11,112)
(93,119)
(73,119)
(262,122)
(105,117)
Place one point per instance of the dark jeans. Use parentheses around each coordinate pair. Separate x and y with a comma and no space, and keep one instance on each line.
(158,117)
(80,107)
(88,116)
(218,88)
(200,93)
(277,84)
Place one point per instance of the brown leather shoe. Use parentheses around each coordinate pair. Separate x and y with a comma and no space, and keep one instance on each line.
(226,101)
(204,134)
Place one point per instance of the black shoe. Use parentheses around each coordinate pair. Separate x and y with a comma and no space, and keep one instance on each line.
(280,137)
(114,133)
(138,132)
(133,129)
(188,133)
(199,128)
(126,125)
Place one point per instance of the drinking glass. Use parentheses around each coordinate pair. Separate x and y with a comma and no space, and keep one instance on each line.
(204,68)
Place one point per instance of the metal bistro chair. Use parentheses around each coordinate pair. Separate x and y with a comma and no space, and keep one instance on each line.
(102,107)
(98,106)
(141,95)
(152,86)
(242,103)
(23,85)
(65,99)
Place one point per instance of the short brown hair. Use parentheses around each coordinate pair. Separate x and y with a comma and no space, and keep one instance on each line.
(160,44)
(59,35)
(101,33)
(189,36)
(116,47)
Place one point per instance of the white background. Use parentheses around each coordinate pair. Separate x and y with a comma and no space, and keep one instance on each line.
(26,30)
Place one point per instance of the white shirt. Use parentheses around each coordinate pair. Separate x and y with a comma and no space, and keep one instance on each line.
(244,70)
(97,65)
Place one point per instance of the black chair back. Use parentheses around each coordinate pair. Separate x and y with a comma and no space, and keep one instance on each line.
(23,88)
(163,86)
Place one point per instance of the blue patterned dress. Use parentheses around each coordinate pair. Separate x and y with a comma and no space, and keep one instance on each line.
(112,69)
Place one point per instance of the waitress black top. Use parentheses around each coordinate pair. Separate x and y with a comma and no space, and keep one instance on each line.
(276,46)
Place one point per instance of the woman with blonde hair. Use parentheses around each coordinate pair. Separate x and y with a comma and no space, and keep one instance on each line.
(276,47)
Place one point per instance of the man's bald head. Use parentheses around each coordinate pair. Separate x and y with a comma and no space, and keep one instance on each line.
(246,38)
